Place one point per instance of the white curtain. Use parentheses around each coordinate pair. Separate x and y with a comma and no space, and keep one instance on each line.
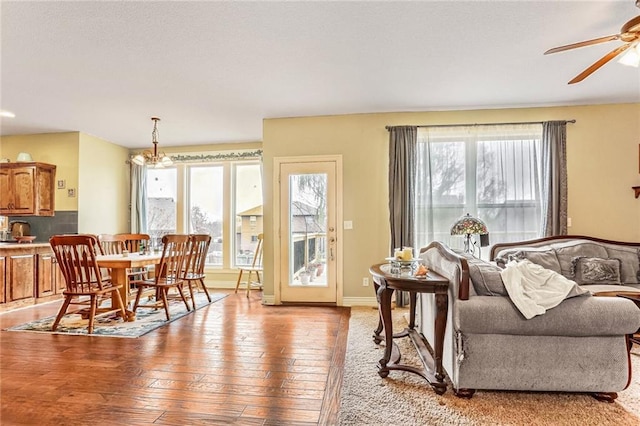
(489,171)
(138,200)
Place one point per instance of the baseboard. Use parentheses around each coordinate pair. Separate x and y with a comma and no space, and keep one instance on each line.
(359,301)
(268,299)
(346,301)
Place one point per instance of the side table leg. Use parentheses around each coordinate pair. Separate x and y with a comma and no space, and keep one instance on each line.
(412,309)
(376,333)
(384,297)
(442,306)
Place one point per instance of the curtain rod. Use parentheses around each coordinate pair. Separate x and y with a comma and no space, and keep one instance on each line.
(477,124)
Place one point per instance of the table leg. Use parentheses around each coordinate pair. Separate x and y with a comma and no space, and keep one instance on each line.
(376,333)
(384,305)
(412,309)
(119,277)
(442,306)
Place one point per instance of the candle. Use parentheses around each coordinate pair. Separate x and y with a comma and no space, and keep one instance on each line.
(407,253)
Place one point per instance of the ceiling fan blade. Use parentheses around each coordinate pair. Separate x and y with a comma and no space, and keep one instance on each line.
(600,62)
(583,43)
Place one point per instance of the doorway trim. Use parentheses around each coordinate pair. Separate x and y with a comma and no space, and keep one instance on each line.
(277,161)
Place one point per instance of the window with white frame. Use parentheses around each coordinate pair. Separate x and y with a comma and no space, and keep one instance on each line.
(223,199)
(489,171)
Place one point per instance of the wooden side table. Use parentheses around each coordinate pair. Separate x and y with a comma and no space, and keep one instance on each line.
(385,284)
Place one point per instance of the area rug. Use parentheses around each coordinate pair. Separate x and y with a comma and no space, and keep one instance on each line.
(406,399)
(147,320)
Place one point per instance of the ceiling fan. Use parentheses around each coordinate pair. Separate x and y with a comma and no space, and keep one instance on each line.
(629,34)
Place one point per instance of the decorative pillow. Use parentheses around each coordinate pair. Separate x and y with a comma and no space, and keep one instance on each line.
(547,259)
(595,270)
(544,256)
(568,250)
(630,263)
(485,277)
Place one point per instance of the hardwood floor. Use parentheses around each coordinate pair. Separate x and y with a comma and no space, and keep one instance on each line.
(233,362)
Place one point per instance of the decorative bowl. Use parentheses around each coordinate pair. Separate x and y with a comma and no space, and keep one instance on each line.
(25,238)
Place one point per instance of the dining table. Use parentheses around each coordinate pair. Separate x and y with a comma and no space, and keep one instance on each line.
(119,264)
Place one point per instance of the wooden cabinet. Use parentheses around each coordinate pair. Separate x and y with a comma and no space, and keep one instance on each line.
(29,274)
(28,189)
(61,284)
(3,281)
(20,276)
(48,273)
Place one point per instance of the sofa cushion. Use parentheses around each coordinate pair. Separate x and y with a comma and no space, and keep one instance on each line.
(578,316)
(545,258)
(595,270)
(566,251)
(608,288)
(485,277)
(630,262)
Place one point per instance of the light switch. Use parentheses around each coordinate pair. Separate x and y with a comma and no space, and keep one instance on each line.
(348,224)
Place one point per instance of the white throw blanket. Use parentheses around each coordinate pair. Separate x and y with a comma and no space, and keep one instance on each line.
(534,289)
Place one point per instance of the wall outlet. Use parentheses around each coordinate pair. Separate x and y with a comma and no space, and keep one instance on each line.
(365,282)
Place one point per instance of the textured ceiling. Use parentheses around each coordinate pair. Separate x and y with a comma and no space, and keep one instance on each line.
(214,70)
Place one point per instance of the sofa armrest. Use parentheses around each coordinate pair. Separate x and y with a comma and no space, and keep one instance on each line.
(577,317)
(447,263)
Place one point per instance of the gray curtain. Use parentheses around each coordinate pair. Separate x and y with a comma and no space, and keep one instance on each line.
(554,178)
(402,177)
(138,200)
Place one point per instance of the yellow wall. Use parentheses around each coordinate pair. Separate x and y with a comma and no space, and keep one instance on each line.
(103,189)
(602,151)
(60,149)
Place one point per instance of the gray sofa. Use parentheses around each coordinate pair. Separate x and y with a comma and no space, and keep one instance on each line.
(581,345)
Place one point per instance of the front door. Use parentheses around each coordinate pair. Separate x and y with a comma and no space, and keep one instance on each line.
(308,248)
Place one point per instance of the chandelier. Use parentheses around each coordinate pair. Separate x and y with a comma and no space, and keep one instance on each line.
(153,158)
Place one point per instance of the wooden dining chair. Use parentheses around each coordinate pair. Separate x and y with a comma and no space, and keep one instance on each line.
(76,256)
(256,266)
(133,242)
(194,272)
(169,274)
(111,244)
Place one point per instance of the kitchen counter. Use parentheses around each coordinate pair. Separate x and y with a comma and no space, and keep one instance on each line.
(29,274)
(12,245)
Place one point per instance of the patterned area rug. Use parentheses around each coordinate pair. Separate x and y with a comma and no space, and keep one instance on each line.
(405,399)
(147,320)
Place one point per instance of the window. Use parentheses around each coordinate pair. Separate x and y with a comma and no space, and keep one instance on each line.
(161,203)
(247,210)
(206,201)
(491,172)
(223,199)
